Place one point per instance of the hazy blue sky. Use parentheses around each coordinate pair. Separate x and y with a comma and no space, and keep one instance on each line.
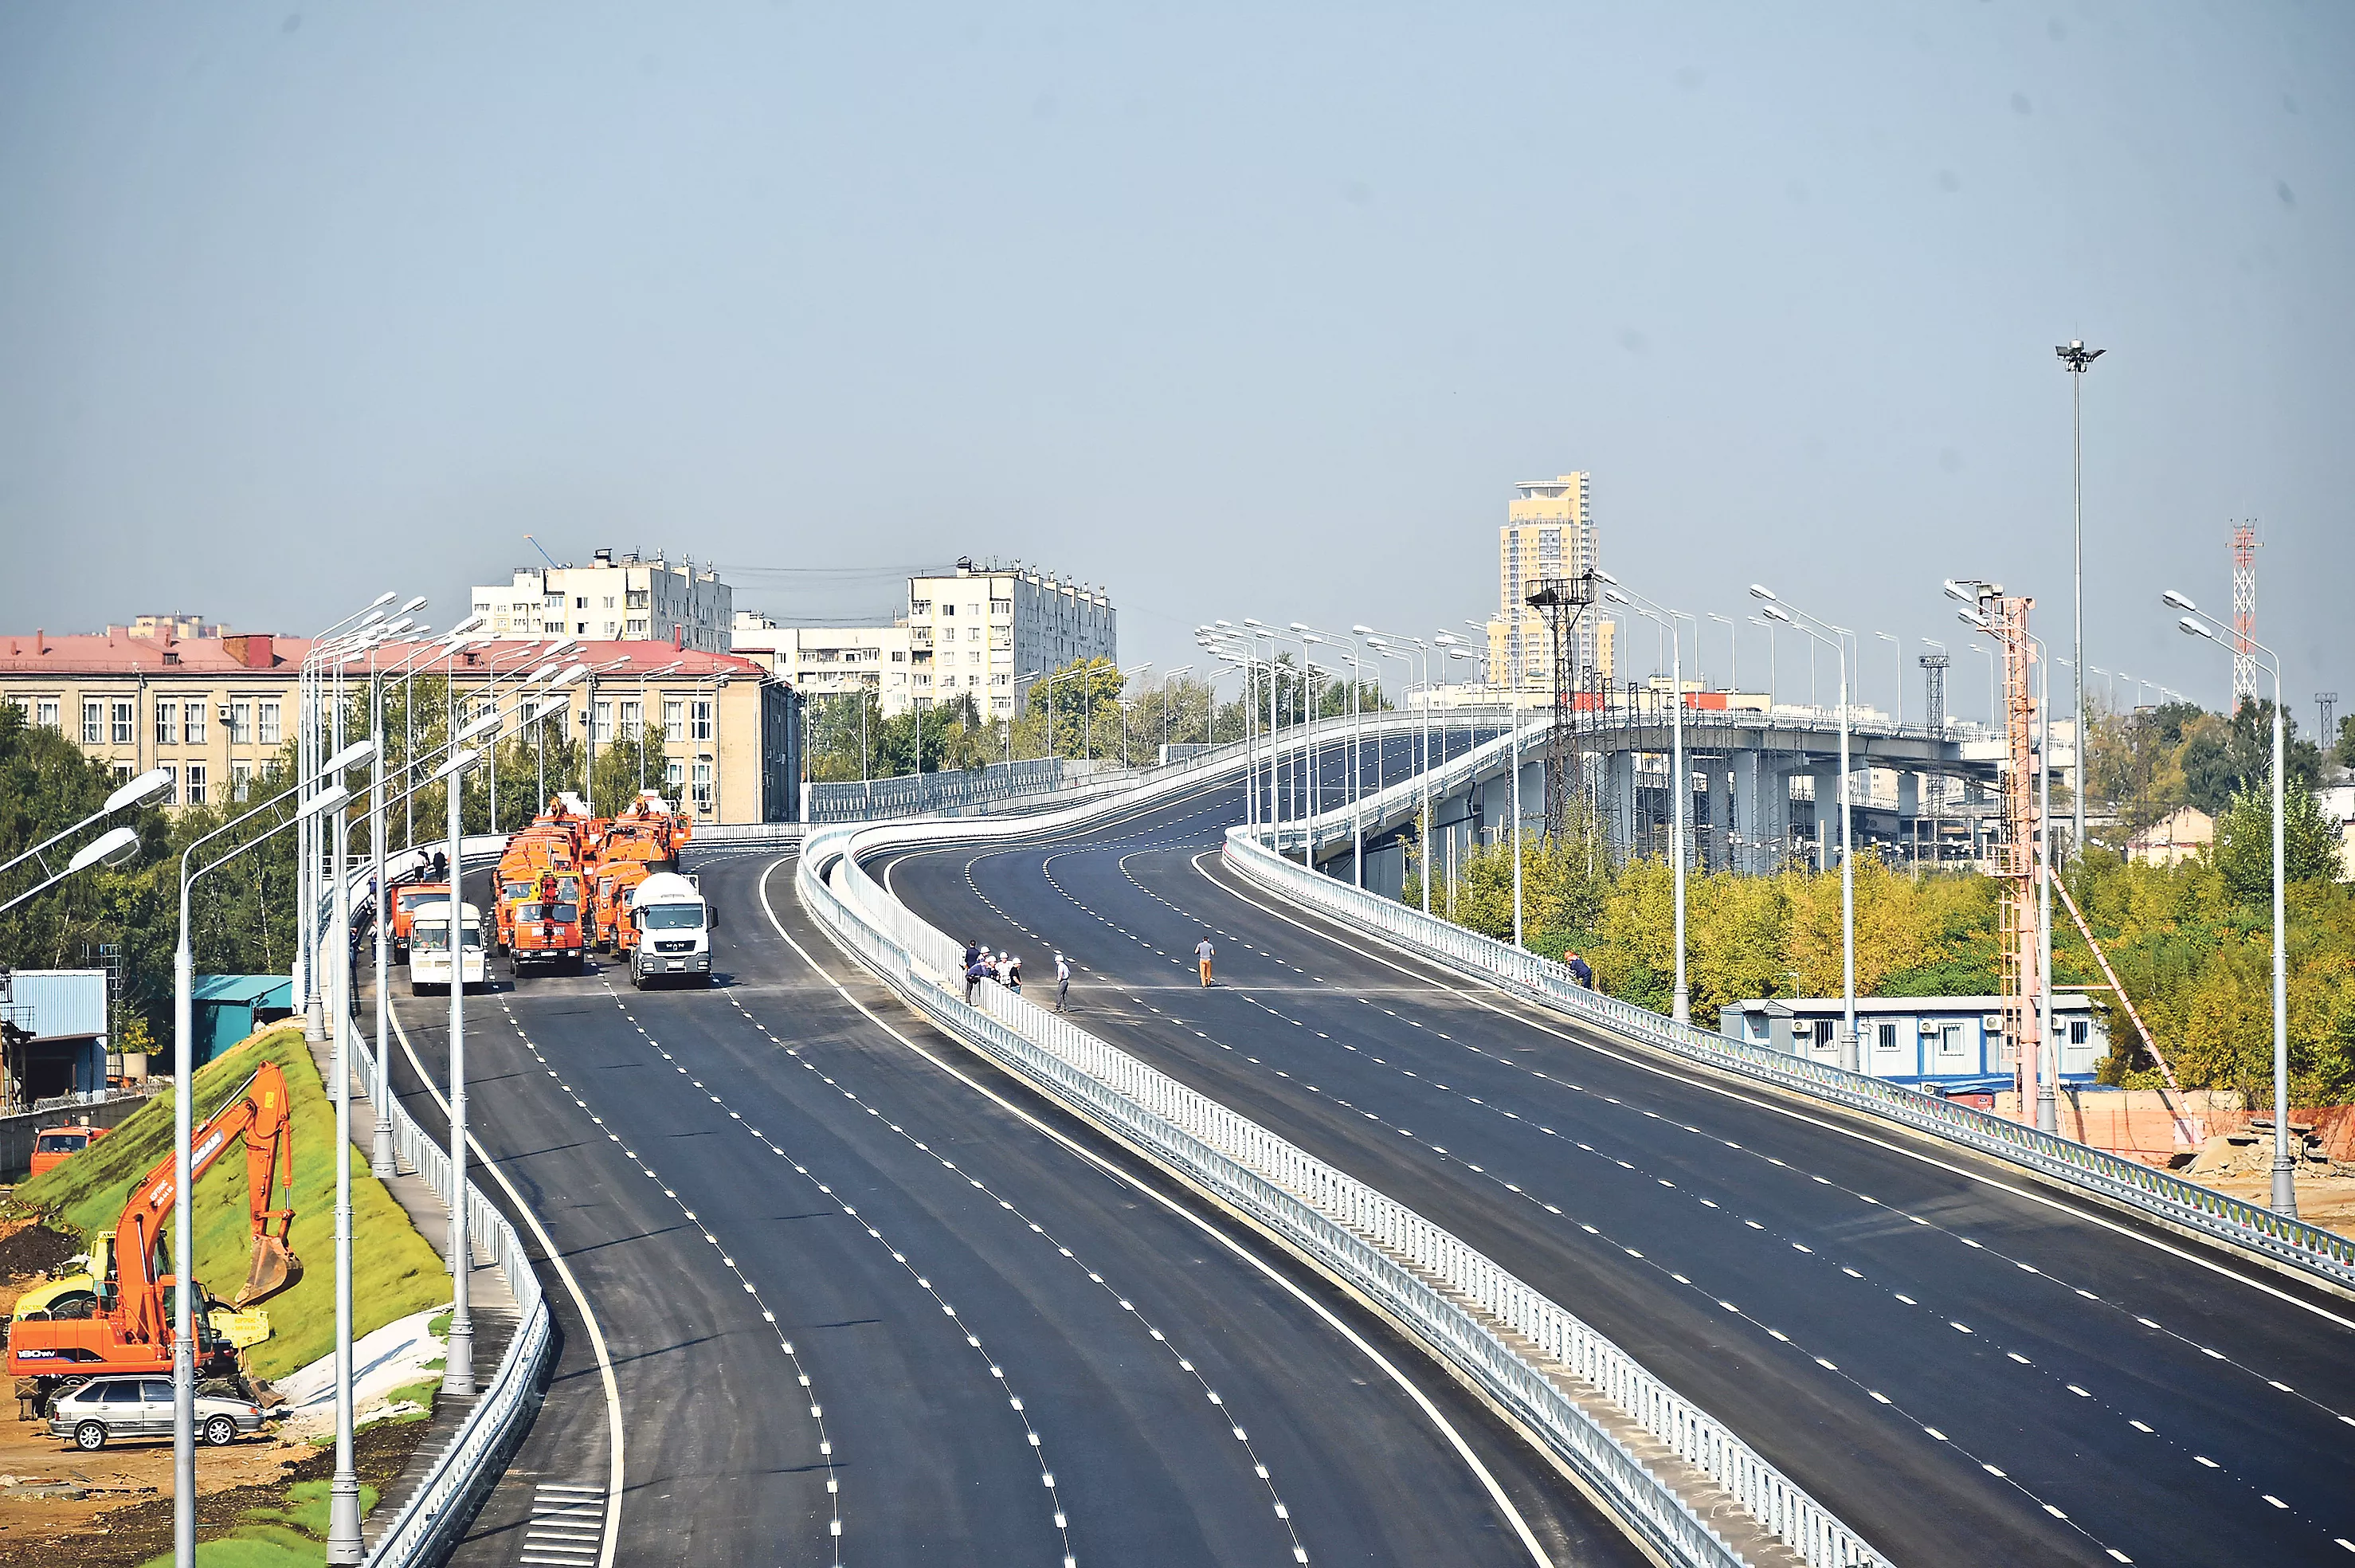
(1238,311)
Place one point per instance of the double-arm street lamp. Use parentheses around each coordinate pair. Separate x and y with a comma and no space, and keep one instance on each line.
(1679,781)
(1780,611)
(322,795)
(2284,1192)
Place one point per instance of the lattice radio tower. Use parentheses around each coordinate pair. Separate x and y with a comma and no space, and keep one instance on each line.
(1560,600)
(2245,612)
(1934,682)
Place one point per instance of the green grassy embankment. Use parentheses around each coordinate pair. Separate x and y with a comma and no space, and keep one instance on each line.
(395,1271)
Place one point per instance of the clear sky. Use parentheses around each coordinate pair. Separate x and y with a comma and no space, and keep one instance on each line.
(1257,310)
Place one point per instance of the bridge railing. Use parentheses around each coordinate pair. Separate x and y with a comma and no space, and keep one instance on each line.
(1379,1246)
(2158,1194)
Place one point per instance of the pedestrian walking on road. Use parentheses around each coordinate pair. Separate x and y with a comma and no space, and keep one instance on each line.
(1203,953)
(1062,980)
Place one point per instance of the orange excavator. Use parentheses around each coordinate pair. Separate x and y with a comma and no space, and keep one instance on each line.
(129,1328)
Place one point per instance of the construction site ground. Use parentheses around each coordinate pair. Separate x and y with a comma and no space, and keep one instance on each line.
(113,1509)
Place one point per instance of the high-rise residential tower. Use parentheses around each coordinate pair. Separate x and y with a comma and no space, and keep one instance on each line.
(1548,532)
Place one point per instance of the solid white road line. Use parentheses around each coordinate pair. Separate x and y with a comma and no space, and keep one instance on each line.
(572,1287)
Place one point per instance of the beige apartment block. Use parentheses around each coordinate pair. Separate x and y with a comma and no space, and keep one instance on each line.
(832,661)
(215,710)
(1548,532)
(975,631)
(628,599)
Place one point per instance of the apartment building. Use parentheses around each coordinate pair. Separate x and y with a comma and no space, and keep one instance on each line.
(832,661)
(628,599)
(214,711)
(1548,532)
(976,630)
(211,712)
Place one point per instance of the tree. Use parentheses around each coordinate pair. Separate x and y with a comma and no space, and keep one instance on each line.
(2343,753)
(2220,759)
(2244,842)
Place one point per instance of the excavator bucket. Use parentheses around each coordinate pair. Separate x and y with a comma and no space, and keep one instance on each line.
(275,1268)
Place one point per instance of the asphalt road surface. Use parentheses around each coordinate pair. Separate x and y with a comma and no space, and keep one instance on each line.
(866,1300)
(1967,1367)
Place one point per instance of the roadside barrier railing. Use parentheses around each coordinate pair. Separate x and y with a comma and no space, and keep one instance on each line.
(2159,1193)
(1379,1246)
(428,1524)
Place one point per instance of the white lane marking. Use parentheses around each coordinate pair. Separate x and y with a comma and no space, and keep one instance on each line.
(1504,1504)
(572,1287)
(1793,1112)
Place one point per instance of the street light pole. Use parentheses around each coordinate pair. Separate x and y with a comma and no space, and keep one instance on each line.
(183,1089)
(2075,359)
(1776,610)
(2285,1183)
(458,1374)
(1679,781)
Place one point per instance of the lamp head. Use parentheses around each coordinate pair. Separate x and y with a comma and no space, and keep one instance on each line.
(1972,618)
(1299,626)
(1602,576)
(1363,631)
(479,728)
(459,762)
(1777,613)
(152,783)
(110,846)
(325,800)
(468,625)
(2177,601)
(550,705)
(351,756)
(1612,595)
(2196,628)
(385,597)
(413,605)
(1760,591)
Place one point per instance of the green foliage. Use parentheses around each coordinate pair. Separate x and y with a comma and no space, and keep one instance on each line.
(2244,842)
(395,1271)
(2146,763)
(2191,944)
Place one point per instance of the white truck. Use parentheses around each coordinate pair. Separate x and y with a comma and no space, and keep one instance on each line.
(429,947)
(674,921)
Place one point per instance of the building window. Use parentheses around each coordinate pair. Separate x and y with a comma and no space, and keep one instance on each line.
(125,723)
(674,775)
(631,720)
(45,712)
(637,599)
(702,719)
(192,722)
(2079,1031)
(703,788)
(171,795)
(241,780)
(601,728)
(240,725)
(196,783)
(167,723)
(269,734)
(674,721)
(93,722)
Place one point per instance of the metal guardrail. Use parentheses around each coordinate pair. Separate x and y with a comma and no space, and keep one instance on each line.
(2158,1194)
(426,1526)
(1370,1239)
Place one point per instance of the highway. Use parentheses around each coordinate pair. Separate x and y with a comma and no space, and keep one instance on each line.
(1966,1366)
(866,1300)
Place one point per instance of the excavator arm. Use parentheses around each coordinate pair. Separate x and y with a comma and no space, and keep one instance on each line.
(258,1112)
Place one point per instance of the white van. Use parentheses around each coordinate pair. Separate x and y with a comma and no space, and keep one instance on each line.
(429,947)
(674,921)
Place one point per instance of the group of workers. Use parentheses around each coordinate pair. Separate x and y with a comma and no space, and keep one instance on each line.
(1006,969)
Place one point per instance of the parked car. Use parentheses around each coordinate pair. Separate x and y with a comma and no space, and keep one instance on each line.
(120,1409)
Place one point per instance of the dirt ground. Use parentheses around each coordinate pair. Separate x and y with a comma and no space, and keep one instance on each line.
(113,1509)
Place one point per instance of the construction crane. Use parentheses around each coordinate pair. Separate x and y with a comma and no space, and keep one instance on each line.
(129,1328)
